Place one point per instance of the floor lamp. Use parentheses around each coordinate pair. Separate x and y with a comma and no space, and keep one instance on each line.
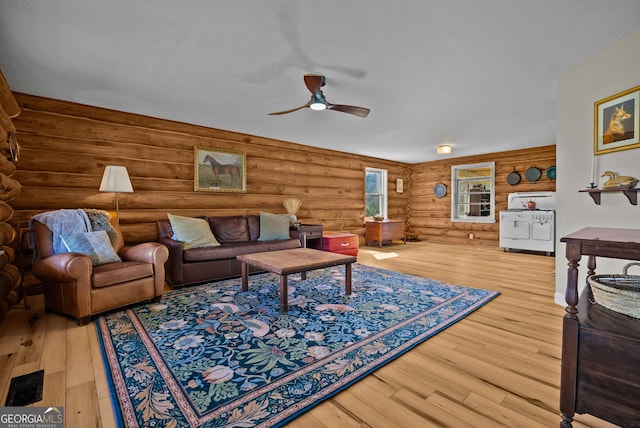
(116,179)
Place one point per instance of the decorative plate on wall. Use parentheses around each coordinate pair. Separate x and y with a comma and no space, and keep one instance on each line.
(551,172)
(513,178)
(533,174)
(440,190)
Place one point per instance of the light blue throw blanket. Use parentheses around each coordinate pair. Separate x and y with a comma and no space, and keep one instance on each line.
(67,222)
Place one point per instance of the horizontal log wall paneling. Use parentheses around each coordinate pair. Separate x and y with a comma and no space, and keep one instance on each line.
(430,217)
(11,269)
(65,147)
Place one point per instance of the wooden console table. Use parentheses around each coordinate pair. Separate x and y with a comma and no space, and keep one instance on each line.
(386,230)
(600,348)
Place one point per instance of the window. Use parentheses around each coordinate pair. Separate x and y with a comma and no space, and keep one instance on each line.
(376,192)
(473,193)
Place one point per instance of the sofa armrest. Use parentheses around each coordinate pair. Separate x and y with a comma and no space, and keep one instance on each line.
(173,266)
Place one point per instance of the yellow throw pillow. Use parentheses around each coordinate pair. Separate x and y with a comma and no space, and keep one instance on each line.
(192,232)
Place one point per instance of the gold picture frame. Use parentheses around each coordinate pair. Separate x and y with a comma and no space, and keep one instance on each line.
(219,171)
(616,122)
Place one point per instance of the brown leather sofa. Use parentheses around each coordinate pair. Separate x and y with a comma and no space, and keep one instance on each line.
(236,234)
(73,286)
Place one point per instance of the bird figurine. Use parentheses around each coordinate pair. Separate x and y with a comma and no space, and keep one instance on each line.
(621,182)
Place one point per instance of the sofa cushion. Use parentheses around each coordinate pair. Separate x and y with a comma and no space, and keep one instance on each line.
(230,228)
(192,232)
(116,273)
(232,249)
(274,226)
(95,245)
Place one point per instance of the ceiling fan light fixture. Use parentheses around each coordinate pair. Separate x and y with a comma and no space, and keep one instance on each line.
(318,102)
(443,149)
(317,106)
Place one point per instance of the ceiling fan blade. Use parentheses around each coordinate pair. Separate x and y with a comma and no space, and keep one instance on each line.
(314,82)
(358,111)
(290,111)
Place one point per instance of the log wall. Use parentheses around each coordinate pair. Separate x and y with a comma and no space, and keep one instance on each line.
(430,217)
(65,147)
(11,274)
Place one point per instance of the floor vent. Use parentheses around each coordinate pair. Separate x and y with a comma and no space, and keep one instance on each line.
(25,389)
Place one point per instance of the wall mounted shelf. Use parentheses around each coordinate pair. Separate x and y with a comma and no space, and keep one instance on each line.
(631,194)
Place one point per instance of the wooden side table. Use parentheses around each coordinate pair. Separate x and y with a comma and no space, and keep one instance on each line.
(310,235)
(385,231)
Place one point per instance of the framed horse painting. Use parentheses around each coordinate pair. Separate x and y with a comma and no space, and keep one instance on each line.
(219,171)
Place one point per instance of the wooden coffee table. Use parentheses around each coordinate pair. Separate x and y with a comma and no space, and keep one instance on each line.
(297,260)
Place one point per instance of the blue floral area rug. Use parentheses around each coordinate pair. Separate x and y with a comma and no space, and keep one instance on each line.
(214,356)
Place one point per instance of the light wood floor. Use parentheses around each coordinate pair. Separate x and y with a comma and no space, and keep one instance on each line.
(500,366)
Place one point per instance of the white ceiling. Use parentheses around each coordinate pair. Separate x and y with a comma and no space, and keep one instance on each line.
(480,75)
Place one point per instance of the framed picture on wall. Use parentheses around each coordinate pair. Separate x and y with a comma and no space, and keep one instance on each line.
(616,122)
(219,171)
(399,185)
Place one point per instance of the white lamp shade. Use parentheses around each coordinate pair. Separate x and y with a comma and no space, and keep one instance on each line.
(116,179)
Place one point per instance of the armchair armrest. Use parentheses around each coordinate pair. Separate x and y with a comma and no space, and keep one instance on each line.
(148,252)
(67,283)
(64,267)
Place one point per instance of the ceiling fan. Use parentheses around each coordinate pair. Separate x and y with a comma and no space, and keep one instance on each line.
(314,83)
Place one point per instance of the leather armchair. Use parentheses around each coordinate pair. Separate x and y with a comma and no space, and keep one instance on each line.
(74,287)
